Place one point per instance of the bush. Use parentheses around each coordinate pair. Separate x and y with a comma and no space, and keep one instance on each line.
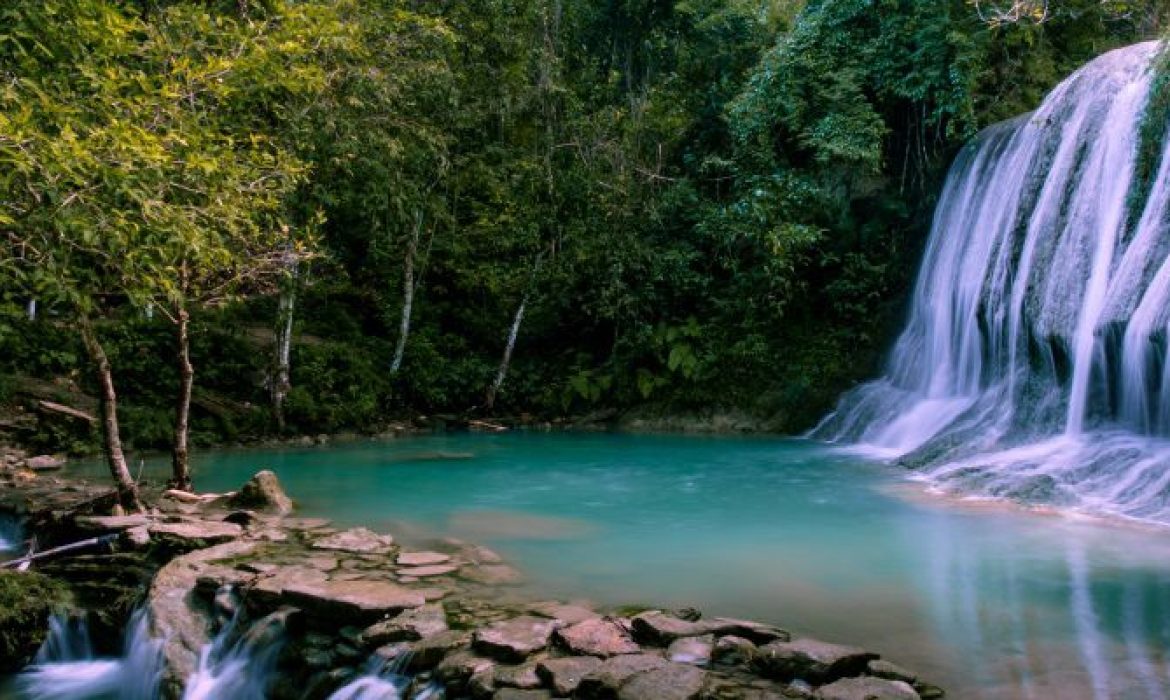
(27,600)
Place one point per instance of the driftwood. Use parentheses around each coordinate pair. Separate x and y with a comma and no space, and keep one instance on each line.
(485,425)
(51,407)
(188,497)
(22,562)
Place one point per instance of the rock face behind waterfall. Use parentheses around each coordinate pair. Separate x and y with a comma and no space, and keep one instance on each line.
(1034,363)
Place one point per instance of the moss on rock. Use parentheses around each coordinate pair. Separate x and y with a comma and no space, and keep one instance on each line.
(26,602)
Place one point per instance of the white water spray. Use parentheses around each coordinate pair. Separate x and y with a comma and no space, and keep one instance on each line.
(1034,365)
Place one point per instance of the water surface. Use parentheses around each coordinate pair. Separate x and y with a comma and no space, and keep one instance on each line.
(988,601)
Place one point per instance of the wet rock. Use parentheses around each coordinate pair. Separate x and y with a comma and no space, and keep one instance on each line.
(889,671)
(44,463)
(597,637)
(565,674)
(412,625)
(926,691)
(515,639)
(359,602)
(669,682)
(267,591)
(811,660)
(733,651)
(458,667)
(418,572)
(422,558)
(659,628)
(429,651)
(866,688)
(358,540)
(692,650)
(263,492)
(195,534)
(523,676)
(568,614)
(606,679)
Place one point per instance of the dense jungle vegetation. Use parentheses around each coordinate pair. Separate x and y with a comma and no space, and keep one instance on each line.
(305,216)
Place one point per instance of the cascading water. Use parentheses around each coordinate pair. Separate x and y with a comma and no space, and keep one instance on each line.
(1034,365)
(11,536)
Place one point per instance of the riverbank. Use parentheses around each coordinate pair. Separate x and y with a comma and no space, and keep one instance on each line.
(344,597)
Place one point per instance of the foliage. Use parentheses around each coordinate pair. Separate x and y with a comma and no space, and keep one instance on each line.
(26,602)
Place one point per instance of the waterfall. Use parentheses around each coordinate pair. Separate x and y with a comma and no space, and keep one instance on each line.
(1034,364)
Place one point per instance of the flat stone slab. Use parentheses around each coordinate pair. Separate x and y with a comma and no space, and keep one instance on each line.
(566,613)
(110,523)
(812,660)
(564,675)
(422,558)
(410,626)
(866,688)
(357,601)
(523,676)
(669,682)
(358,540)
(197,533)
(659,628)
(518,694)
(428,571)
(597,637)
(303,524)
(606,679)
(515,639)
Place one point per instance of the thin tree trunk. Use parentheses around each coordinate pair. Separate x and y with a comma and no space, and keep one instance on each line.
(31,309)
(408,288)
(284,327)
(502,374)
(111,434)
(180,456)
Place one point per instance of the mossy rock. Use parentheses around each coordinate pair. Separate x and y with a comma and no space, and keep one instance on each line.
(26,602)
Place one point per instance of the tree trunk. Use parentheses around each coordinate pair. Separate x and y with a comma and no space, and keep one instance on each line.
(111,434)
(408,288)
(180,457)
(281,377)
(490,400)
(31,309)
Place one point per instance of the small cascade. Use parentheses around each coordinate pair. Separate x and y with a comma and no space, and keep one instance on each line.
(66,667)
(1034,365)
(11,536)
(387,679)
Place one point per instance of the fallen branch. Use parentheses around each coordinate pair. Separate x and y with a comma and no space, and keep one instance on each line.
(63,549)
(188,497)
(485,425)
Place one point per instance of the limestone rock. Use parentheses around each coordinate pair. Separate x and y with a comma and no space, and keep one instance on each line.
(669,682)
(44,463)
(263,492)
(458,667)
(866,688)
(889,671)
(358,540)
(109,523)
(568,614)
(733,651)
(410,626)
(692,650)
(811,660)
(136,538)
(606,679)
(523,676)
(422,558)
(565,674)
(429,651)
(417,572)
(659,628)
(597,637)
(351,601)
(517,694)
(195,534)
(515,639)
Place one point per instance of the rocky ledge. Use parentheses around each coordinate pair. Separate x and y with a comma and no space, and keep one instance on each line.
(451,614)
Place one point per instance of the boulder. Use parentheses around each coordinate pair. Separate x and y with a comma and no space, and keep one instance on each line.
(358,540)
(523,676)
(866,688)
(515,639)
(811,660)
(410,626)
(422,558)
(458,667)
(263,492)
(597,637)
(606,679)
(357,602)
(669,682)
(692,650)
(44,463)
(565,674)
(656,627)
